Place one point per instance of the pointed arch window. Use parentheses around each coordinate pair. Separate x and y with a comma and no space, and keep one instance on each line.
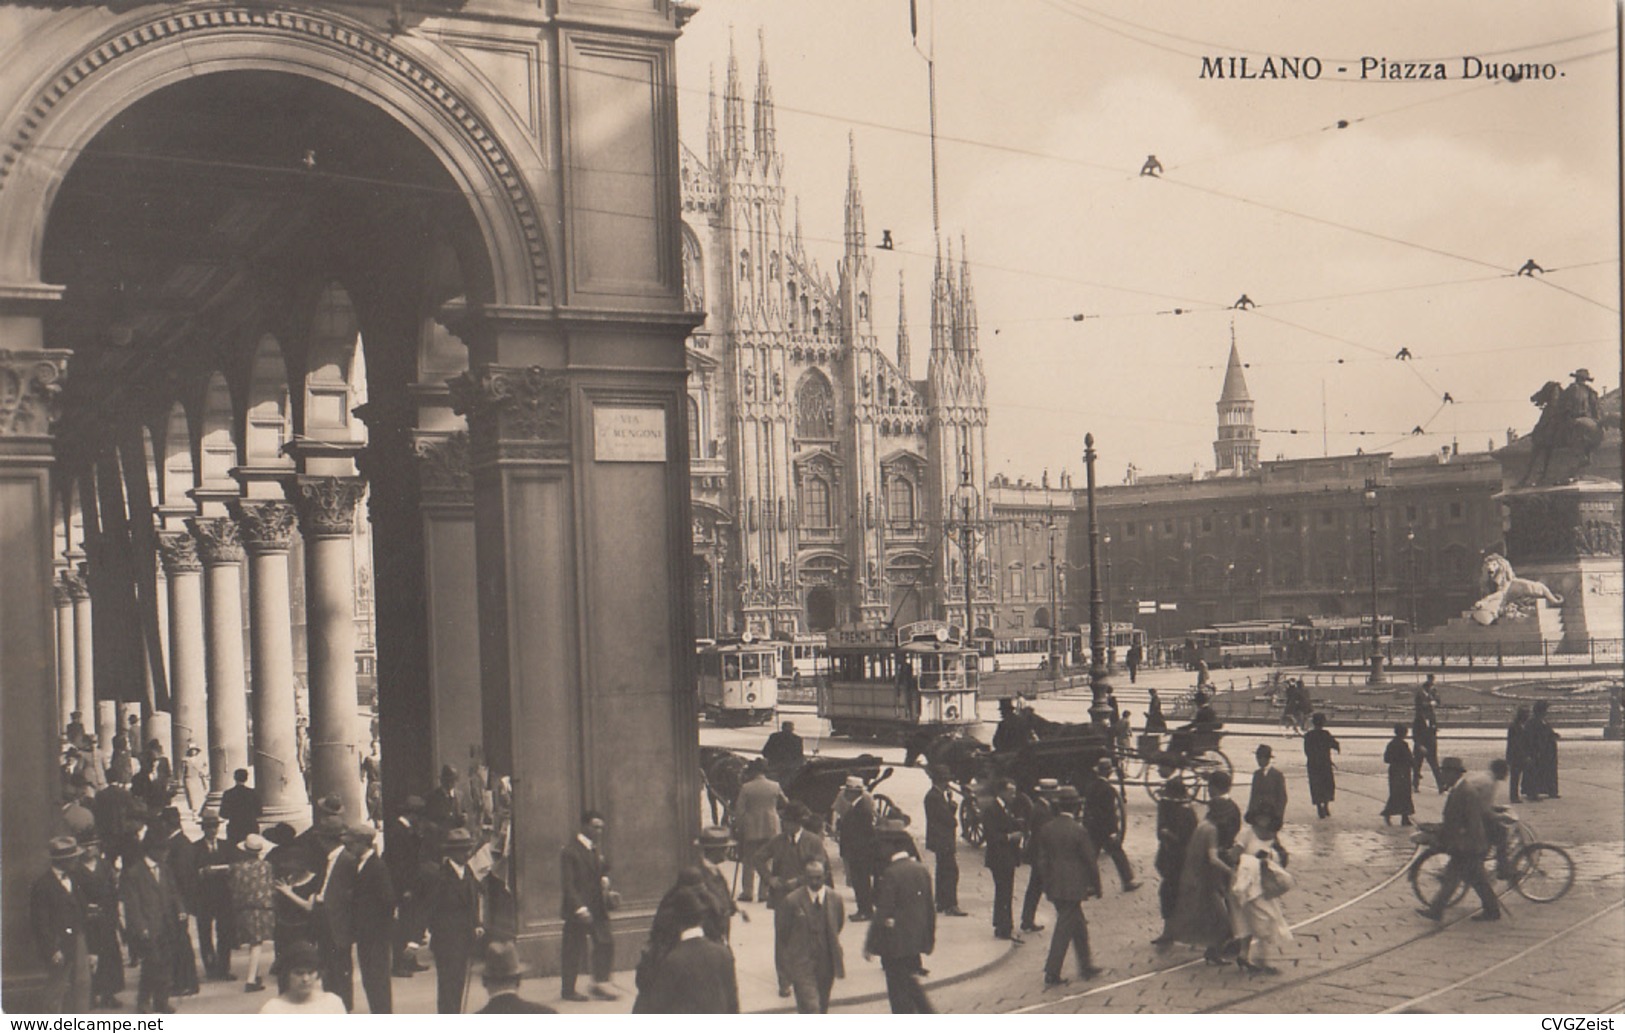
(815,407)
(693,428)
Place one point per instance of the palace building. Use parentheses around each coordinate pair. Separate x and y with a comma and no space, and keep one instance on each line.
(827,482)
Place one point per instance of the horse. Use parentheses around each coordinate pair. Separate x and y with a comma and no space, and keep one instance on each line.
(1557,429)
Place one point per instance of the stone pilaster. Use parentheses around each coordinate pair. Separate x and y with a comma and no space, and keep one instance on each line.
(66,688)
(266,532)
(84,647)
(326,508)
(221,551)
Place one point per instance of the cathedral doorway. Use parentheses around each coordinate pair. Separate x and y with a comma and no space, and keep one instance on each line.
(821,609)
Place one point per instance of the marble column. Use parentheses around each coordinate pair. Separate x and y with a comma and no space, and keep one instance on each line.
(326,508)
(160,724)
(222,556)
(29,382)
(266,531)
(188,666)
(67,697)
(84,669)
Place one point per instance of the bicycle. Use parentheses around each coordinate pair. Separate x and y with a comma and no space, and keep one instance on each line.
(1540,872)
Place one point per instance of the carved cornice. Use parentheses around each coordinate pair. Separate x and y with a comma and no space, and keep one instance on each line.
(177,551)
(514,413)
(311,29)
(326,505)
(29,384)
(217,541)
(264,527)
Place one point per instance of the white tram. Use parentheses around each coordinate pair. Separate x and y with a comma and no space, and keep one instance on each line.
(739,681)
(891,683)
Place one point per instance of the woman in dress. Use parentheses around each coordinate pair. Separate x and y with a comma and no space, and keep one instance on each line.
(1201,915)
(1318,747)
(1258,917)
(1398,758)
(1155,723)
(295,884)
(252,904)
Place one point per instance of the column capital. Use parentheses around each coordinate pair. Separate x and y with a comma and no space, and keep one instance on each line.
(177,551)
(217,541)
(514,413)
(29,384)
(443,466)
(60,592)
(326,505)
(264,526)
(77,587)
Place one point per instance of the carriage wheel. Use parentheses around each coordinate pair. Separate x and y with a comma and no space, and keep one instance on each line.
(884,808)
(970,822)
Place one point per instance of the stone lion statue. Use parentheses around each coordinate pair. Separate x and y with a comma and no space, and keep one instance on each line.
(1506,590)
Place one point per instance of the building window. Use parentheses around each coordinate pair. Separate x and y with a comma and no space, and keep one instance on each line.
(815,502)
(1455,511)
(1246,521)
(815,407)
(693,428)
(1167,528)
(1131,530)
(1016,583)
(900,500)
(1288,521)
(1410,514)
(1327,518)
(1207,525)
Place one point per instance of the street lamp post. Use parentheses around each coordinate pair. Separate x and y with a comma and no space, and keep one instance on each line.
(1410,555)
(1376,677)
(1100,713)
(1054,613)
(1111,628)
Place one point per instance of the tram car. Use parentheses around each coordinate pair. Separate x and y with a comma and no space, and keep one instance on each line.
(801,657)
(739,681)
(895,683)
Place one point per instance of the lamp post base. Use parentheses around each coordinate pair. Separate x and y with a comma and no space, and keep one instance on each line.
(1377,676)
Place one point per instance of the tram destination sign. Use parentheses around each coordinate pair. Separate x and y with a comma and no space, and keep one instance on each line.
(629,434)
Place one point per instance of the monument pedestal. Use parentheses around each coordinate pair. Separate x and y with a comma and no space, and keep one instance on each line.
(1567,537)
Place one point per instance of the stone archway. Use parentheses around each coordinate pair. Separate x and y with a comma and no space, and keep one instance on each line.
(821,611)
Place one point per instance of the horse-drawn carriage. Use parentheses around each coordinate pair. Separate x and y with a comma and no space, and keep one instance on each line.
(814,785)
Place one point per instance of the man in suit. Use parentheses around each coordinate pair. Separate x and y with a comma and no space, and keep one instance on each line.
(215,934)
(1266,804)
(1034,812)
(1176,823)
(905,924)
(784,751)
(1469,815)
(756,820)
(714,842)
(406,849)
(452,911)
(181,862)
(372,916)
(942,839)
(855,831)
(696,976)
(444,809)
(99,884)
(335,875)
(782,862)
(1102,818)
(240,809)
(1070,876)
(502,976)
(154,921)
(584,873)
(1002,835)
(806,938)
(57,907)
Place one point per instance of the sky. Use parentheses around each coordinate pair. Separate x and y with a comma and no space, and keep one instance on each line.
(1401,229)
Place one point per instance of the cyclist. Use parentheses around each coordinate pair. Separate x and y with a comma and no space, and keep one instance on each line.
(1471,825)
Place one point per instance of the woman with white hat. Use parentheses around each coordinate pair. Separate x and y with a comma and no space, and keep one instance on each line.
(252,897)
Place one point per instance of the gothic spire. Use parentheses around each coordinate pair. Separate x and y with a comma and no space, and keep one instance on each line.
(967,300)
(733,110)
(941,314)
(766,146)
(1235,382)
(713,126)
(903,357)
(854,201)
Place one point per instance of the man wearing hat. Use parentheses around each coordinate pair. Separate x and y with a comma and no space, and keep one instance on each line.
(154,921)
(756,820)
(806,938)
(215,933)
(1001,832)
(783,860)
(855,832)
(1034,812)
(77,819)
(714,842)
(1176,823)
(371,924)
(1067,857)
(942,839)
(697,975)
(784,752)
(1266,803)
(1469,826)
(99,885)
(405,856)
(58,909)
(905,922)
(503,972)
(444,808)
(330,914)
(1102,818)
(452,911)
(1580,400)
